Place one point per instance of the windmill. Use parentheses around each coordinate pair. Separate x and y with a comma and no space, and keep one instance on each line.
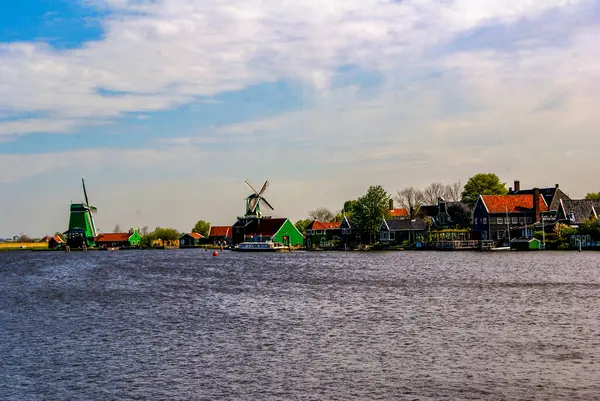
(254,200)
(91,209)
(82,229)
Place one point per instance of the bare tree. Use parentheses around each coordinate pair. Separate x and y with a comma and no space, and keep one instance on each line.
(117,229)
(454,192)
(411,199)
(145,230)
(322,214)
(433,192)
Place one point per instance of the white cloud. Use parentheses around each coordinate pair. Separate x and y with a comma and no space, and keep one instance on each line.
(160,54)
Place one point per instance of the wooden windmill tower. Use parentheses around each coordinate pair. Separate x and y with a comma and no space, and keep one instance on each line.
(254,200)
(82,228)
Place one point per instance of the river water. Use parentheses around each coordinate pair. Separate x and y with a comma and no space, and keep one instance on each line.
(181,324)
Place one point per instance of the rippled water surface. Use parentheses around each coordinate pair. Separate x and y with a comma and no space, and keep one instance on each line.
(320,326)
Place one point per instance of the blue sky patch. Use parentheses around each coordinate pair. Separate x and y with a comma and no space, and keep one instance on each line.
(62,24)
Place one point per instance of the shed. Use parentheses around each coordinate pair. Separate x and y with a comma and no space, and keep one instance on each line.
(525,244)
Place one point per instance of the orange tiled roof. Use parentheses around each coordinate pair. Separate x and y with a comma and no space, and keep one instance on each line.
(399,213)
(220,231)
(512,203)
(196,235)
(113,237)
(319,225)
(58,239)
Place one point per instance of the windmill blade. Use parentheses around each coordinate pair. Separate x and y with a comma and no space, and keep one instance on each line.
(264,188)
(251,187)
(87,202)
(252,204)
(267,203)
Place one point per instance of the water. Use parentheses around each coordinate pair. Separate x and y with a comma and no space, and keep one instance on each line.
(338,326)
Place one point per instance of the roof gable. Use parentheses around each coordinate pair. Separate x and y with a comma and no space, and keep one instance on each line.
(579,210)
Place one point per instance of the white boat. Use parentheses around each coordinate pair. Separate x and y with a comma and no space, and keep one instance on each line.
(501,248)
(263,246)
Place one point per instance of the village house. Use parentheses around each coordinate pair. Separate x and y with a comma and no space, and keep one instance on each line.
(397,231)
(279,230)
(352,235)
(130,239)
(323,235)
(447,214)
(496,216)
(220,235)
(55,242)
(190,240)
(576,211)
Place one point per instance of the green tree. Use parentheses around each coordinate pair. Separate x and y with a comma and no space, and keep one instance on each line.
(201,227)
(302,224)
(348,207)
(482,184)
(371,208)
(593,196)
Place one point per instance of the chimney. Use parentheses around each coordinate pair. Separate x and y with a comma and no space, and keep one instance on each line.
(517,185)
(556,186)
(536,205)
(391,204)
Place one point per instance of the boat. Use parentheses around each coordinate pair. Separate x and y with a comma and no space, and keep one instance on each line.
(501,248)
(260,246)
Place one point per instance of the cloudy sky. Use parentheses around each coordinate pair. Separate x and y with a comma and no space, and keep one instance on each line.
(166,106)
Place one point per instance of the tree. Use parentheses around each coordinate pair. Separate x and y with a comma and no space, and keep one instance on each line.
(302,224)
(166,234)
(433,192)
(348,207)
(144,230)
(117,229)
(482,184)
(24,238)
(202,227)
(371,208)
(322,214)
(411,199)
(593,196)
(453,192)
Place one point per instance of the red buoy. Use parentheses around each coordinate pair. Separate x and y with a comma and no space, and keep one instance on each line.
(215,253)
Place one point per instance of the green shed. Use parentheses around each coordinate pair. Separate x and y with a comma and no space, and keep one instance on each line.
(526,244)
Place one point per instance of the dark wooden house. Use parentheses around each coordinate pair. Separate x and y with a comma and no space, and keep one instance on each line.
(55,242)
(353,236)
(577,211)
(397,231)
(323,235)
(190,240)
(220,235)
(279,230)
(496,216)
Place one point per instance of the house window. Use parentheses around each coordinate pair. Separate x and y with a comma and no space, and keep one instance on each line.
(529,220)
(392,236)
(384,236)
(515,220)
(522,220)
(318,232)
(500,234)
(308,232)
(475,220)
(499,220)
(485,220)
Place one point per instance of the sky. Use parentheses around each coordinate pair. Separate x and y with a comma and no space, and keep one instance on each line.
(165,107)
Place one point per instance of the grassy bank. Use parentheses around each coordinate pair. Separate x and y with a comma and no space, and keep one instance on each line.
(22,246)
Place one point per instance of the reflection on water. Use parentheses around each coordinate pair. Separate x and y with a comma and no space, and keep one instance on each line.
(405,325)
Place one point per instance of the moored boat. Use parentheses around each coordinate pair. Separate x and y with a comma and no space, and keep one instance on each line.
(264,246)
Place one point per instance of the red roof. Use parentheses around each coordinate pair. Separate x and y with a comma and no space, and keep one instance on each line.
(113,237)
(399,213)
(264,227)
(196,235)
(319,225)
(512,203)
(57,239)
(220,231)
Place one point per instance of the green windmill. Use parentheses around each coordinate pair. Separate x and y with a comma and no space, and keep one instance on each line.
(253,201)
(82,229)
